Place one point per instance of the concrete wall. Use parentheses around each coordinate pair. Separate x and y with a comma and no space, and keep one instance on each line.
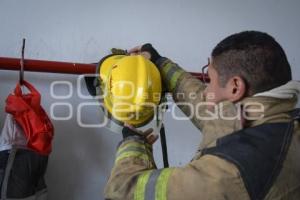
(84,31)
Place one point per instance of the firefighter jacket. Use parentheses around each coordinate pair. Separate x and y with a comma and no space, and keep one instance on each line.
(257,158)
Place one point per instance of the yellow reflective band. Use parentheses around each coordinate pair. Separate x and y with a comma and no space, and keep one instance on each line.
(166,68)
(132,154)
(137,149)
(162,184)
(163,63)
(139,193)
(131,144)
(174,79)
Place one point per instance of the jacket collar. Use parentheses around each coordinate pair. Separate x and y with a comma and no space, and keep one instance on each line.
(271,106)
(262,109)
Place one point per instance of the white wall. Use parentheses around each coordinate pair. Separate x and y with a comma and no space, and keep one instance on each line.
(84,31)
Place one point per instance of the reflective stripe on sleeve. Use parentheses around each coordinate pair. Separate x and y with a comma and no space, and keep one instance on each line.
(134,149)
(162,185)
(153,185)
(172,73)
(134,143)
(143,179)
(131,146)
(174,78)
(137,154)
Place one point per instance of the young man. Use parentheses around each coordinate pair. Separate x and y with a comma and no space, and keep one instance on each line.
(246,113)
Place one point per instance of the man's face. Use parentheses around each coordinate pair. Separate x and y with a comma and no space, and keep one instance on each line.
(214,92)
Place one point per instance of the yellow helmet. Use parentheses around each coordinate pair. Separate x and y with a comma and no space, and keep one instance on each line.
(131,86)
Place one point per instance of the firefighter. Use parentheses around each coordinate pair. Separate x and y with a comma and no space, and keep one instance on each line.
(247,116)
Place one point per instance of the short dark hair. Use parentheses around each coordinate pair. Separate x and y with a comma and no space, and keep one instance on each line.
(254,56)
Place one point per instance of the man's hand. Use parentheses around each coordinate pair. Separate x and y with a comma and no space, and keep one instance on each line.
(147,51)
(149,135)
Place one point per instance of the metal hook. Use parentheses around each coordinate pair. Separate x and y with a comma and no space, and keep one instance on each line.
(22,63)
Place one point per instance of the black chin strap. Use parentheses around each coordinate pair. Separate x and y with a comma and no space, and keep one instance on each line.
(164,149)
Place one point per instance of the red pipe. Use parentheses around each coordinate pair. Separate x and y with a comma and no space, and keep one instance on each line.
(57,67)
(47,66)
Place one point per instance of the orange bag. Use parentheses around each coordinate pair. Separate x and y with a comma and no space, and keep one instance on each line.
(29,114)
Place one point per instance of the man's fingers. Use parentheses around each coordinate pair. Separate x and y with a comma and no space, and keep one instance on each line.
(151,138)
(146,54)
(148,134)
(136,49)
(148,131)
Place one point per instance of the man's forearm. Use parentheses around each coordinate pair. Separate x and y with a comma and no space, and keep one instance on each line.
(187,91)
(133,157)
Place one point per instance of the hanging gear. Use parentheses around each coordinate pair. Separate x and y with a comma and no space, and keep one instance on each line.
(22,174)
(12,135)
(131,87)
(22,169)
(27,111)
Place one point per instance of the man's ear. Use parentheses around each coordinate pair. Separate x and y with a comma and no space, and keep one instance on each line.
(235,89)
